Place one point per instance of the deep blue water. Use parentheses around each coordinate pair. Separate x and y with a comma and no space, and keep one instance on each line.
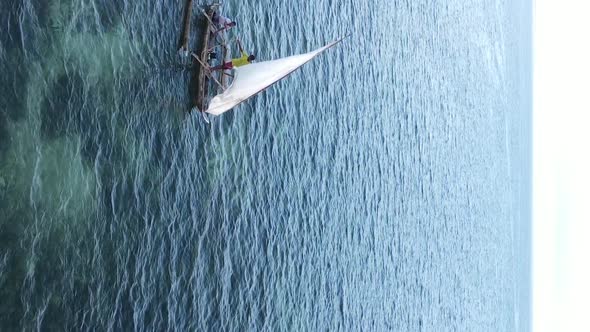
(375,189)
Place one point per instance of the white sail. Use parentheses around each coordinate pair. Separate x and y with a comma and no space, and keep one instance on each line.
(251,79)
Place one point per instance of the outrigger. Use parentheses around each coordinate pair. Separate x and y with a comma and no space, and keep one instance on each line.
(186,28)
(247,81)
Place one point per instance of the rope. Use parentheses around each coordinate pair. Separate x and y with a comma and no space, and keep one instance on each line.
(205,67)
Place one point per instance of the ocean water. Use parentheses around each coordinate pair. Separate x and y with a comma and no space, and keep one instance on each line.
(375,189)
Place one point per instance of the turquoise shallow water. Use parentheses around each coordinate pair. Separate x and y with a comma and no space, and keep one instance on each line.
(372,190)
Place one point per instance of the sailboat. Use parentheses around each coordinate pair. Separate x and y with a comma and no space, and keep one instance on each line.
(254,78)
(248,80)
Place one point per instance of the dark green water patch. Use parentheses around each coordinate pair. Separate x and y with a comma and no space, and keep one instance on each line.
(12,86)
(11,35)
(108,13)
(41,10)
(4,138)
(62,107)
